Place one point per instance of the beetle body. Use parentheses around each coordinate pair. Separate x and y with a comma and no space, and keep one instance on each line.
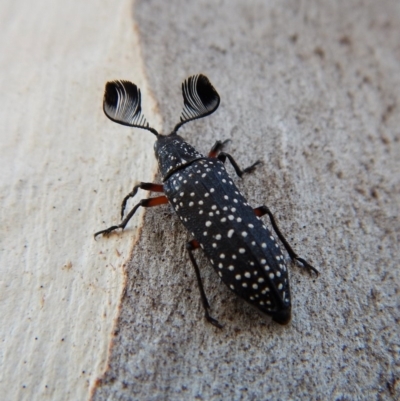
(237,243)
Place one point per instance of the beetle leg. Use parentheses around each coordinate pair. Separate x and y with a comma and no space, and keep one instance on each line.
(159,200)
(148,186)
(217,147)
(190,246)
(222,156)
(261,211)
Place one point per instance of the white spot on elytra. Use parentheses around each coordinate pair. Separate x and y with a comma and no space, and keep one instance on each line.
(250,225)
(242,250)
(230,233)
(244,234)
(247,274)
(222,256)
(230,267)
(230,217)
(238,277)
(192,194)
(191,203)
(208,223)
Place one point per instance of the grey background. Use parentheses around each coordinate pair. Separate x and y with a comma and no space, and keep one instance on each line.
(311,88)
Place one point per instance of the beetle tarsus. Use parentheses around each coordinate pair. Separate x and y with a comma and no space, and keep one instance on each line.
(251,168)
(222,156)
(213,321)
(107,231)
(307,266)
(261,211)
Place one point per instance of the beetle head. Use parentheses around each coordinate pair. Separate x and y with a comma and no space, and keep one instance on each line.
(172,153)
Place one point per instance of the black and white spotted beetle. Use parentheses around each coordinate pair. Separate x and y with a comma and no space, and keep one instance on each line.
(237,243)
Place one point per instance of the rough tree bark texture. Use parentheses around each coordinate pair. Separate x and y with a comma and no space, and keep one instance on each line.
(311,88)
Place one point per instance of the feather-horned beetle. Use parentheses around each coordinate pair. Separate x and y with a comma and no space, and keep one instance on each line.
(236,242)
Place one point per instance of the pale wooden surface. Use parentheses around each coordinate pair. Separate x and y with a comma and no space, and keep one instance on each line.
(61,180)
(312,88)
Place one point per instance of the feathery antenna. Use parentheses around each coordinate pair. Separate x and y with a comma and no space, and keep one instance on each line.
(199,99)
(122,104)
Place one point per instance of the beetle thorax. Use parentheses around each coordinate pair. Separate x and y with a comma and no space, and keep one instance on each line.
(173,153)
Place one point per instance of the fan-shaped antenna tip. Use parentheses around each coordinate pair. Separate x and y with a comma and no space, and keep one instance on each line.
(122,104)
(199,99)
